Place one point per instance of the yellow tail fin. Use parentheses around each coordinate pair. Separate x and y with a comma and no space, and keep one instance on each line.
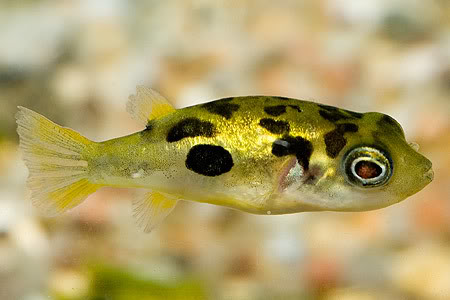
(58,171)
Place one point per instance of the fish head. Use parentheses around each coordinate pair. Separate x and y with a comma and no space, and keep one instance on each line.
(375,168)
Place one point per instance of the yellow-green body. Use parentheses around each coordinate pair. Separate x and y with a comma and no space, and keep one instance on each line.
(259,154)
(146,160)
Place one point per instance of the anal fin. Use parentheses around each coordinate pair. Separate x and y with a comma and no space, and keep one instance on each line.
(152,208)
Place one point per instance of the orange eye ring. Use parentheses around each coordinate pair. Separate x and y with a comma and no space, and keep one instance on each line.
(367,167)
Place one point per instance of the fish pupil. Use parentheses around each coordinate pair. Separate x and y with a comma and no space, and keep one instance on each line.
(368,169)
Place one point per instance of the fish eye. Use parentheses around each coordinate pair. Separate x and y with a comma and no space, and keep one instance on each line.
(367,167)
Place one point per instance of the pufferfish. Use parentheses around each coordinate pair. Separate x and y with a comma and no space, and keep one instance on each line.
(258,154)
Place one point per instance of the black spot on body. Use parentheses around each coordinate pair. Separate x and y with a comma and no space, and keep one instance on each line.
(190,127)
(334,114)
(335,140)
(222,107)
(391,122)
(147,132)
(329,116)
(209,160)
(298,146)
(228,99)
(282,98)
(347,127)
(328,108)
(354,114)
(276,110)
(275,127)
(295,107)
(149,126)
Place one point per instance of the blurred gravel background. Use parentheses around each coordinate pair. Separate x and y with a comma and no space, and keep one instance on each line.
(76,62)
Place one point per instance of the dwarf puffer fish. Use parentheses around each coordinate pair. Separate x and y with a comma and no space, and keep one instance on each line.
(258,154)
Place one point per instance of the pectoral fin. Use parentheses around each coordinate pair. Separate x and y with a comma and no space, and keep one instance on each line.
(291,173)
(151,209)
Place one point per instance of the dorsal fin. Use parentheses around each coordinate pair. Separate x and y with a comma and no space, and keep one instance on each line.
(147,105)
(151,208)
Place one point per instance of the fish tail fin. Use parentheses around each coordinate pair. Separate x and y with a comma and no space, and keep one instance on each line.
(56,158)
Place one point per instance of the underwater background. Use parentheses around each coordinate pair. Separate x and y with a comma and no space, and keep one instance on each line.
(77,61)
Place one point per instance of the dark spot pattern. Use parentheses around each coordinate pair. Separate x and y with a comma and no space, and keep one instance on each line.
(391,122)
(276,110)
(354,114)
(334,114)
(329,116)
(222,107)
(347,127)
(147,132)
(298,146)
(149,126)
(295,107)
(275,127)
(282,98)
(335,140)
(190,127)
(209,160)
(328,107)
